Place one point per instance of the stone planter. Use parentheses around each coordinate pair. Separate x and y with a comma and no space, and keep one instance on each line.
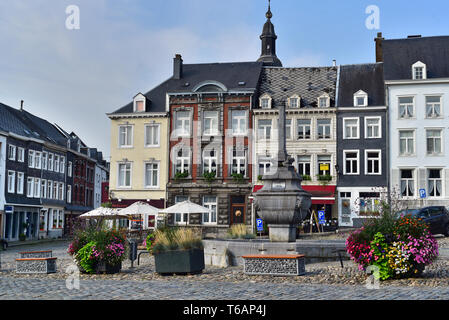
(180,261)
(105,268)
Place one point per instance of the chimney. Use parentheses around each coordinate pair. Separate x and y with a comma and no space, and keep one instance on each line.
(177,67)
(334,63)
(379,51)
(21,105)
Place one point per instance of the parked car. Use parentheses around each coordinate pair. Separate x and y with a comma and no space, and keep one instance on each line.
(437,217)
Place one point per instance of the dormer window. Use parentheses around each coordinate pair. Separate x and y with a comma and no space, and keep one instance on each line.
(419,71)
(265,101)
(360,99)
(324,101)
(294,102)
(139,103)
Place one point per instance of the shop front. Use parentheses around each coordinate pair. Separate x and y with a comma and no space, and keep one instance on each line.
(21,222)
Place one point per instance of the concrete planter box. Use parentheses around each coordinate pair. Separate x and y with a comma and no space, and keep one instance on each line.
(36,265)
(105,268)
(179,261)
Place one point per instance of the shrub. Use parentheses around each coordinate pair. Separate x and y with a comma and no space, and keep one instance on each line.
(170,239)
(239,231)
(399,247)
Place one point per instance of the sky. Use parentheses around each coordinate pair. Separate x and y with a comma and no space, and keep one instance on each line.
(74,77)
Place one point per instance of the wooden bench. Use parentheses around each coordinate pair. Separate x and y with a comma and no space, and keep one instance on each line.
(275,265)
(36,265)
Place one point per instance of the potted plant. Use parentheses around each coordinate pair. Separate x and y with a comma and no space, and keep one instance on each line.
(306,177)
(181,175)
(42,226)
(210,176)
(178,250)
(98,251)
(22,237)
(238,177)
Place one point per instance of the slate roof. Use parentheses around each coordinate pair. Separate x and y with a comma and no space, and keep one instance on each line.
(400,54)
(308,83)
(229,74)
(367,77)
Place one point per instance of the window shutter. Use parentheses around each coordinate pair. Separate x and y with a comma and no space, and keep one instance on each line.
(395,179)
(446,177)
(422,179)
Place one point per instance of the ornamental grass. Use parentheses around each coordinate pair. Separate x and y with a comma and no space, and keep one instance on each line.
(170,239)
(399,247)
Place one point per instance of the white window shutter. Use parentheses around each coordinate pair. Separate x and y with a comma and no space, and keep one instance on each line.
(395,179)
(446,177)
(422,179)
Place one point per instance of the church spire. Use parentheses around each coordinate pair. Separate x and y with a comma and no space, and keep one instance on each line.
(268,37)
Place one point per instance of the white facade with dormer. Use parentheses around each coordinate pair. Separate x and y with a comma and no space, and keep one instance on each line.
(419,138)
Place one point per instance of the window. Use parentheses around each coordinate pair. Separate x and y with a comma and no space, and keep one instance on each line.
(61,191)
(152,134)
(140,106)
(38,160)
(44,189)
(406,142)
(210,159)
(433,107)
(265,102)
(125,136)
(419,71)
(181,218)
(304,129)
(210,123)
(210,202)
(37,187)
(360,99)
(55,218)
(288,129)
(182,124)
(20,182)
(324,165)
(324,128)
(21,154)
(56,163)
(264,129)
(407,183)
(351,162)
(406,107)
(50,162)
(12,152)
(151,175)
(69,194)
(62,166)
(433,137)
(44,160)
(11,181)
(373,164)
(124,175)
(265,166)
(351,128)
(239,122)
(304,166)
(324,101)
(238,162)
(293,102)
(369,203)
(31,158)
(55,190)
(70,169)
(182,164)
(373,128)
(30,185)
(435,182)
(49,189)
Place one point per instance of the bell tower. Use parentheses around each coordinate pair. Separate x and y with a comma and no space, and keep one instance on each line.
(268,37)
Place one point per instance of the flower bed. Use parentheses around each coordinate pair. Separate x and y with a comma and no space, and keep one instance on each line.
(400,248)
(98,251)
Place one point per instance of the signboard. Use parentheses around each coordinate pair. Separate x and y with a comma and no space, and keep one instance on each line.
(278,185)
(9,209)
(422,193)
(259,224)
(324,166)
(321,217)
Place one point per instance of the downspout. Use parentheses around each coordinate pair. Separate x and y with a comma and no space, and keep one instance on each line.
(387,139)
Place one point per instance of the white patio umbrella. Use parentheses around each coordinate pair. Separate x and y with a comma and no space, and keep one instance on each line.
(101,212)
(186,207)
(140,208)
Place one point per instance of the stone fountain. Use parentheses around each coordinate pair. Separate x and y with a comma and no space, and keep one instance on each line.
(282,203)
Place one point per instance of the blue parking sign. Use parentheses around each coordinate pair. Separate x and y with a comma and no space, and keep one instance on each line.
(259,223)
(422,193)
(321,217)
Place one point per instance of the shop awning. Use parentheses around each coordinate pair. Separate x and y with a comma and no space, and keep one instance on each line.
(321,194)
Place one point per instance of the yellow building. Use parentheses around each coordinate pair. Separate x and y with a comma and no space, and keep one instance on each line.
(139,153)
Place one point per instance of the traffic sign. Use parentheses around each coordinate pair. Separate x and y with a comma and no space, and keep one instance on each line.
(259,224)
(321,217)
(422,193)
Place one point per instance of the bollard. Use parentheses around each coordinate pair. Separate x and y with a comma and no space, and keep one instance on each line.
(132,252)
